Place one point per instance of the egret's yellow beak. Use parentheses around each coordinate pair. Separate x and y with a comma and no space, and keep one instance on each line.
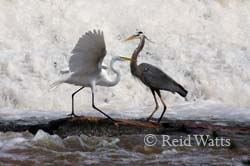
(130,38)
(126,58)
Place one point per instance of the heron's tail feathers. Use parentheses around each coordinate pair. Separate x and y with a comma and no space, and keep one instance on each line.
(181,91)
(55,84)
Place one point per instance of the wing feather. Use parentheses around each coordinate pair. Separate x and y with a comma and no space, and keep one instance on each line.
(156,78)
(88,53)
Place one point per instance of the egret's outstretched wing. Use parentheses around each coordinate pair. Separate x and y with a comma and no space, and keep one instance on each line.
(88,53)
(67,70)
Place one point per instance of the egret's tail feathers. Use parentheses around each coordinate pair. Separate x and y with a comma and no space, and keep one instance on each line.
(181,91)
(55,84)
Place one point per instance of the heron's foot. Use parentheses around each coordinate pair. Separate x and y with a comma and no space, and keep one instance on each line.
(72,115)
(159,121)
(148,119)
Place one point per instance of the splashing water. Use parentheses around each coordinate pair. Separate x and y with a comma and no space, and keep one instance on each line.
(43,149)
(204,45)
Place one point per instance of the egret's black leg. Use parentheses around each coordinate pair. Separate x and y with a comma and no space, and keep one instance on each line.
(72,113)
(156,105)
(164,105)
(93,105)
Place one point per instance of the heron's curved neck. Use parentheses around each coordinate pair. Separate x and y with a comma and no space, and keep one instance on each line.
(133,63)
(118,75)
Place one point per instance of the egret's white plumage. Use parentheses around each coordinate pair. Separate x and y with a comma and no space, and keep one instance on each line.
(85,65)
(88,53)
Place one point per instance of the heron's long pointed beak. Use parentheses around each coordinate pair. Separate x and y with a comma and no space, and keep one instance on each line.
(130,38)
(126,58)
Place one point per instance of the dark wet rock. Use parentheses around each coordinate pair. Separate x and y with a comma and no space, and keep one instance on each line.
(101,126)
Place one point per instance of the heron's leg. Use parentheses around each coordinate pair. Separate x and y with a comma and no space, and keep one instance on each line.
(72,113)
(156,105)
(164,105)
(93,105)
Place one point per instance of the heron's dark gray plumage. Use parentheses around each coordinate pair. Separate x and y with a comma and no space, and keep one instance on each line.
(157,79)
(153,77)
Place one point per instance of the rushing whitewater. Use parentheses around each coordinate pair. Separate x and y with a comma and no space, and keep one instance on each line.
(45,149)
(203,44)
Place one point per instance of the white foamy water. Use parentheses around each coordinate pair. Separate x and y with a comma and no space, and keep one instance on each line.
(204,45)
(45,149)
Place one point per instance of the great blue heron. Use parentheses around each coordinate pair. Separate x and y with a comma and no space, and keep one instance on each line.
(86,66)
(152,76)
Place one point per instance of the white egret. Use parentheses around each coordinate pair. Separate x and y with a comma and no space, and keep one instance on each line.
(86,69)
